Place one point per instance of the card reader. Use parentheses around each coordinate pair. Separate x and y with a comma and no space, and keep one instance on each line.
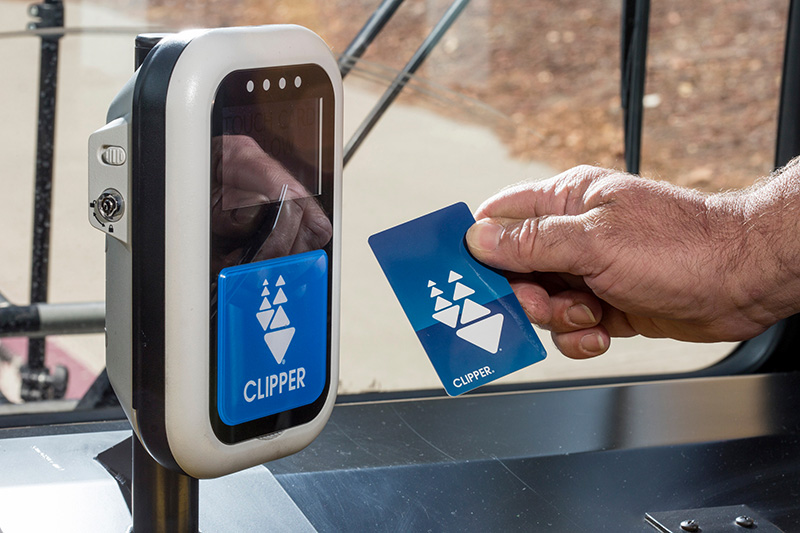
(217,181)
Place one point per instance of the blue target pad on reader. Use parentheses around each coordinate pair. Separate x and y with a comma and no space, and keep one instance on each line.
(272,336)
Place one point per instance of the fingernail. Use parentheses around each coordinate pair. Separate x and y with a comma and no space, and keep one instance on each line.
(580,315)
(593,343)
(484,236)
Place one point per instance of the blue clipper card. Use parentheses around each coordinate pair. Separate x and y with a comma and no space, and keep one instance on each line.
(465,314)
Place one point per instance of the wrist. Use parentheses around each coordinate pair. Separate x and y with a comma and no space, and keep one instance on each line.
(762,241)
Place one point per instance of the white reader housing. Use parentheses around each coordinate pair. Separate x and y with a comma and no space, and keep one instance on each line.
(223,153)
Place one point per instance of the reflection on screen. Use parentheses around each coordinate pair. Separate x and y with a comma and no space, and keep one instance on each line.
(266,178)
(289,133)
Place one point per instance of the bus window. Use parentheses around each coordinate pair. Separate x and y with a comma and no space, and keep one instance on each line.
(513,91)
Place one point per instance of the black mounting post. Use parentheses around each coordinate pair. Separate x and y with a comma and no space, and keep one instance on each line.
(37,383)
(143,44)
(162,501)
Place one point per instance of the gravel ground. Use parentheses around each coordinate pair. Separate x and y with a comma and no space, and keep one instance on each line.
(712,85)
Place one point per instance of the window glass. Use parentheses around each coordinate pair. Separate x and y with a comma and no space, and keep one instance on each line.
(95,59)
(711,103)
(513,91)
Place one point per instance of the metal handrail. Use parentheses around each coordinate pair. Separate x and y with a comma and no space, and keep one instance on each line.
(427,46)
(42,319)
(89,30)
(367,34)
(635,21)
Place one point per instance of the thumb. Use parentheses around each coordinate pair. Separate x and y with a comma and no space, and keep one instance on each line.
(543,244)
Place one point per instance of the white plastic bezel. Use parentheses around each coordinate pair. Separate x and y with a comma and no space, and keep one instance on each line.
(203,64)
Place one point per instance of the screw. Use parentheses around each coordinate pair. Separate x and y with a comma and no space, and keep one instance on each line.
(690,525)
(745,521)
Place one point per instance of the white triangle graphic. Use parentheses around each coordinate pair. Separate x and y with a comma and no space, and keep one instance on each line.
(280,319)
(265,283)
(280,282)
(278,342)
(264,305)
(435,292)
(473,311)
(484,334)
(461,291)
(264,317)
(454,277)
(449,316)
(430,283)
(265,292)
(280,298)
(441,303)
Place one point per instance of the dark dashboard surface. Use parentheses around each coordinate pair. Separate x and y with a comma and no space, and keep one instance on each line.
(591,459)
(572,460)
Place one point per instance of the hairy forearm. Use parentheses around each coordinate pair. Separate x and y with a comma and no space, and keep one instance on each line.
(764,245)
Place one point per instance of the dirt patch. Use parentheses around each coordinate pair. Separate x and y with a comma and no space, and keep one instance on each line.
(552,68)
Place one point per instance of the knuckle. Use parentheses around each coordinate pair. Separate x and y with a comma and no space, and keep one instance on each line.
(516,247)
(589,174)
(524,239)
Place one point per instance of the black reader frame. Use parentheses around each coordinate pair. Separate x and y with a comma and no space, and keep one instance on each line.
(231,92)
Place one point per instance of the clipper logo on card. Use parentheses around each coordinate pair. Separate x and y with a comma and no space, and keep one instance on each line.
(484,333)
(465,314)
(272,336)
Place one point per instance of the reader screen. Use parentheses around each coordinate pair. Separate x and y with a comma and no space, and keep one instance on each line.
(270,134)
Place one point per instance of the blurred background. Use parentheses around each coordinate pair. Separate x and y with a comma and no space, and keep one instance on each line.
(515,90)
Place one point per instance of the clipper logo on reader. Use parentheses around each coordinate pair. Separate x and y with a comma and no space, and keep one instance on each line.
(272,328)
(275,323)
(465,314)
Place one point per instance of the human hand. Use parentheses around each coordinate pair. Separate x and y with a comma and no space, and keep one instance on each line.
(593,254)
(247,186)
